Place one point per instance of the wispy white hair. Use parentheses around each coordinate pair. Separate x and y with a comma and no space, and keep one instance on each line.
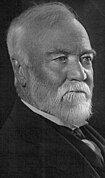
(41,16)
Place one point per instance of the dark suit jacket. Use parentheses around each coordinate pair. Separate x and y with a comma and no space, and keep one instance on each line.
(31,146)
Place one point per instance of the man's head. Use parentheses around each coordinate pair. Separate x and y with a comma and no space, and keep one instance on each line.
(52,61)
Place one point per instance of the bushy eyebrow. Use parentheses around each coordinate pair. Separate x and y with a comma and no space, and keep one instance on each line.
(66,52)
(58,51)
(92,51)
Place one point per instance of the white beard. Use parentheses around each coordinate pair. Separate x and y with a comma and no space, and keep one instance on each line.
(68,114)
(71,108)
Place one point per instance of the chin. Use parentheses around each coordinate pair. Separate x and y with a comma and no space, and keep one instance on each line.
(77,115)
(70,113)
(75,111)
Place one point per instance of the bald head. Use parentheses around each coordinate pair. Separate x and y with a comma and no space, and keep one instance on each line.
(32,23)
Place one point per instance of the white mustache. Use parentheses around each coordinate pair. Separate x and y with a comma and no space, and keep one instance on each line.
(74,87)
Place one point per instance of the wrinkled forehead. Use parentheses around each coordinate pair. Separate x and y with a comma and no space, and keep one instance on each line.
(69,35)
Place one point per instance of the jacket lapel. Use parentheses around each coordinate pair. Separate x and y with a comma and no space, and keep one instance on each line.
(93,135)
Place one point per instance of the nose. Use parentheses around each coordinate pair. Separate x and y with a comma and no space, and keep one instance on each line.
(76,71)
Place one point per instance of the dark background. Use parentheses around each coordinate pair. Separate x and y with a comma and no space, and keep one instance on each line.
(92,15)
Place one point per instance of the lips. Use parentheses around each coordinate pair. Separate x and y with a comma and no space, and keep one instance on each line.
(79,91)
(76,91)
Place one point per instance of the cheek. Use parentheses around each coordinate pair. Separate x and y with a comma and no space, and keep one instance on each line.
(90,79)
(54,75)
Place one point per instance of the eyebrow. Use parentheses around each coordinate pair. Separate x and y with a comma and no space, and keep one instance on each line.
(66,52)
(91,51)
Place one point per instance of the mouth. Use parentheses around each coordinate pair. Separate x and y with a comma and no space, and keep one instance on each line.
(75,96)
(76,91)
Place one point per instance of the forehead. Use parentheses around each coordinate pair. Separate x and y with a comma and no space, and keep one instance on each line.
(69,35)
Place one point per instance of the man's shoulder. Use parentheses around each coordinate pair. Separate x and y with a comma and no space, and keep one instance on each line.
(25,142)
(24,126)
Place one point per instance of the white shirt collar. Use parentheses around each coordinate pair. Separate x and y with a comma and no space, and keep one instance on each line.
(46,115)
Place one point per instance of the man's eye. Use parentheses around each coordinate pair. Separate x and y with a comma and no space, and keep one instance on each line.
(62,59)
(86,60)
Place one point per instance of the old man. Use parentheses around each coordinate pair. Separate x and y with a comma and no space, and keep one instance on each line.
(47,134)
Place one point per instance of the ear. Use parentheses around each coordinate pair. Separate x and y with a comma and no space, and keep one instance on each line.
(19,72)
